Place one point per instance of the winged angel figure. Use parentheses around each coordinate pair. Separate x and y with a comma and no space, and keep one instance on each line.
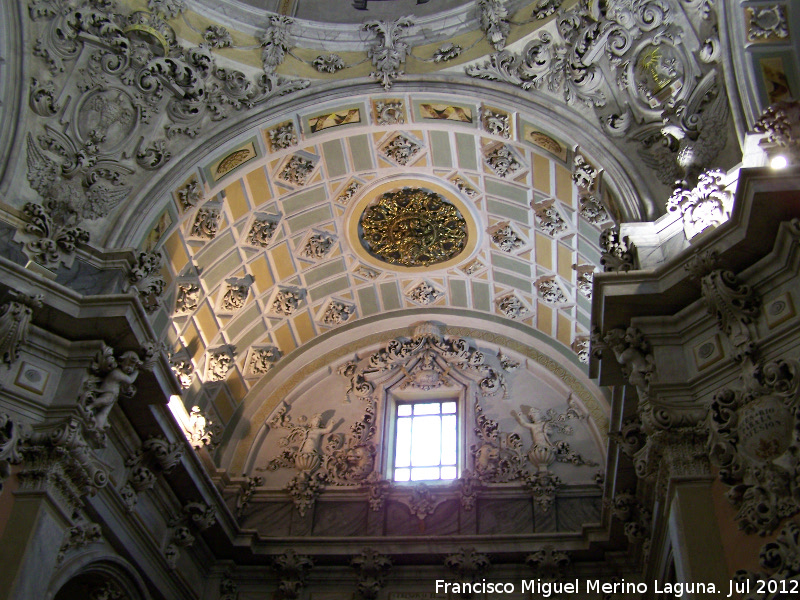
(690,138)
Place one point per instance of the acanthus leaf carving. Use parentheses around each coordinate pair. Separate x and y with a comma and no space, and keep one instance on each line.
(146,279)
(15,318)
(706,205)
(372,568)
(494,22)
(468,564)
(292,570)
(548,563)
(388,51)
(617,252)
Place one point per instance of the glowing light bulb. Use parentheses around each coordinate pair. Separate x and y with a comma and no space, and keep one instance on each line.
(779,162)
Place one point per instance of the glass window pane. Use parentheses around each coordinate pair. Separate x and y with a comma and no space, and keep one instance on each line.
(449,440)
(449,473)
(402,474)
(420,473)
(403,444)
(428,408)
(404,410)
(426,441)
(448,407)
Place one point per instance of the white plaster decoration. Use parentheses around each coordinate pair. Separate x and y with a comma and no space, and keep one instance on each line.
(494,22)
(503,161)
(49,235)
(292,571)
(12,435)
(585,279)
(262,229)
(388,50)
(545,8)
(424,294)
(496,122)
(633,352)
(548,218)
(754,444)
(473,267)
(464,187)
(275,42)
(505,238)
(389,112)
(507,363)
(202,431)
(286,301)
(580,346)
(617,252)
(317,246)
(146,279)
(187,297)
(15,318)
(780,124)
(584,175)
(467,564)
(593,210)
(247,491)
(191,194)
(543,452)
(513,307)
(297,170)
(79,535)
(168,8)
(206,224)
(550,292)
(217,36)
(109,379)
(282,136)
(423,360)
(708,204)
(348,192)
(447,51)
(219,362)
(422,503)
(767,22)
(337,312)
(183,368)
(262,359)
(372,568)
(367,272)
(548,563)
(400,149)
(734,304)
(155,456)
(328,63)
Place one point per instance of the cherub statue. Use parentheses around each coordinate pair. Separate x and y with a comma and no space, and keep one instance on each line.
(110,379)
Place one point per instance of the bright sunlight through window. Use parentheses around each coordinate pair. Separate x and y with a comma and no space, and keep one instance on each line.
(426,446)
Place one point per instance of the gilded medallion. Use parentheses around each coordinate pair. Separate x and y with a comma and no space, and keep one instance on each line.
(413,227)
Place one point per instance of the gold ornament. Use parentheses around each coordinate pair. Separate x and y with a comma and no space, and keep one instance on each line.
(413,228)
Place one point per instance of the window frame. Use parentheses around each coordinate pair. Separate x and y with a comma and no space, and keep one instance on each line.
(397,397)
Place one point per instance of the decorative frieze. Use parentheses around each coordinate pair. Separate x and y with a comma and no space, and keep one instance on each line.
(287,301)
(236,294)
(389,112)
(262,230)
(337,312)
(187,297)
(513,307)
(297,170)
(371,568)
(317,246)
(401,149)
(388,50)
(617,252)
(262,359)
(282,136)
(494,22)
(550,292)
(424,294)
(328,63)
(15,318)
(145,278)
(506,239)
(708,204)
(503,161)
(191,194)
(206,224)
(219,362)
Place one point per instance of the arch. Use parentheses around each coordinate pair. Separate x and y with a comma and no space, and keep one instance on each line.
(88,570)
